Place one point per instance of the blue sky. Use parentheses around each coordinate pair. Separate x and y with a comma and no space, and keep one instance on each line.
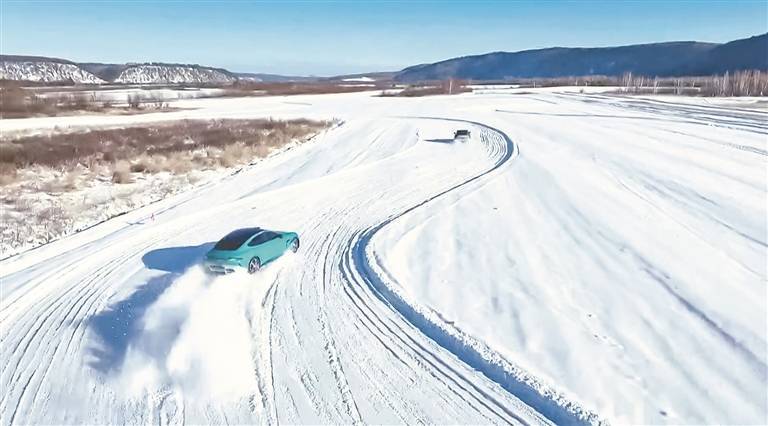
(335,37)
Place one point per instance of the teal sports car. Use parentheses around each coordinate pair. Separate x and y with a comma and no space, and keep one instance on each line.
(249,248)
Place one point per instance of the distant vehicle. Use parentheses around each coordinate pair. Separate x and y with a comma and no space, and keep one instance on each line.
(461,135)
(249,248)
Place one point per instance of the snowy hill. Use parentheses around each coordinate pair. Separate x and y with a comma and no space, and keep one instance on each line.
(41,69)
(49,70)
(172,73)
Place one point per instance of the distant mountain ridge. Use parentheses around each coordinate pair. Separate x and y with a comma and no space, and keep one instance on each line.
(50,70)
(56,70)
(685,58)
(657,59)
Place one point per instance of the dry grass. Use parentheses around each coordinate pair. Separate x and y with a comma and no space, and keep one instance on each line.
(8,174)
(122,172)
(446,87)
(298,88)
(160,139)
(51,186)
(176,147)
(18,102)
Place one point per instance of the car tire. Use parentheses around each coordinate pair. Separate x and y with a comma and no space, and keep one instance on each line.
(254,265)
(294,247)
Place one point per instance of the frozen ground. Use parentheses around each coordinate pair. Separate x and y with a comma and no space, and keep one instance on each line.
(583,258)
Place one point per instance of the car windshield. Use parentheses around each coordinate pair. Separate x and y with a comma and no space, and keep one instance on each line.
(462,132)
(235,239)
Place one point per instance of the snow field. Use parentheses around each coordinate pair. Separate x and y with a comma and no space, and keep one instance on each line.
(585,258)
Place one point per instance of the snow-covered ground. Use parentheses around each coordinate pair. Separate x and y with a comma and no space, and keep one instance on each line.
(583,258)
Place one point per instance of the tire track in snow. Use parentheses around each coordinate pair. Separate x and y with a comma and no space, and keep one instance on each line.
(40,325)
(77,296)
(412,349)
(451,387)
(71,306)
(548,402)
(730,118)
(323,283)
(348,398)
(261,330)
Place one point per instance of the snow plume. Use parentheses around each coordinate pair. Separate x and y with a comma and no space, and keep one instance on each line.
(198,338)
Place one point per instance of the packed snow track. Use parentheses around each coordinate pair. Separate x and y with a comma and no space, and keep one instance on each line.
(582,259)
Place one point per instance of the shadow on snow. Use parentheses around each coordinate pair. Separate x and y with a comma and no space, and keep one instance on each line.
(115,327)
(446,141)
(175,259)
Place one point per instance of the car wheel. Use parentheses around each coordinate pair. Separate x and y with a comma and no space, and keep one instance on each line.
(254,265)
(295,245)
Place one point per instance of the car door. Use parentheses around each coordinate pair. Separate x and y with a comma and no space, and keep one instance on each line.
(269,246)
(276,245)
(259,247)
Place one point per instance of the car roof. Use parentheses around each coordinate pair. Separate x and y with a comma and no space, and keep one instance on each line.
(237,238)
(243,232)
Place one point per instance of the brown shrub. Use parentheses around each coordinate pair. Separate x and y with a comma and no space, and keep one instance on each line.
(121,172)
(176,147)
(134,101)
(50,214)
(178,163)
(19,102)
(139,167)
(232,154)
(79,101)
(250,88)
(8,173)
(12,102)
(71,179)
(8,152)
(128,143)
(446,87)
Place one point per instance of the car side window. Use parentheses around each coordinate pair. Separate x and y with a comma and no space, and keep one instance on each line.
(262,238)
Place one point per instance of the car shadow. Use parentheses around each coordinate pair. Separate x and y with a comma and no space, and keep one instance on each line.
(115,327)
(175,259)
(446,141)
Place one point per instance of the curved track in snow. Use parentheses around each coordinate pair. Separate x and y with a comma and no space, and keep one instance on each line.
(368,271)
(118,321)
(118,324)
